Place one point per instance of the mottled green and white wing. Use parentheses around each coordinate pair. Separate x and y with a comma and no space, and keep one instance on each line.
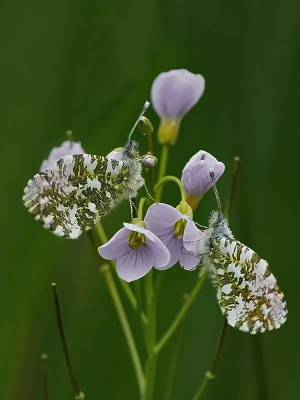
(76,192)
(247,291)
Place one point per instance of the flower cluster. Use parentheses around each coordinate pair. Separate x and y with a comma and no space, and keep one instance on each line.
(167,235)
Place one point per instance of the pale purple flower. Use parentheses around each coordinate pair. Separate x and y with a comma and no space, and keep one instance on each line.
(177,232)
(175,92)
(195,175)
(67,148)
(137,254)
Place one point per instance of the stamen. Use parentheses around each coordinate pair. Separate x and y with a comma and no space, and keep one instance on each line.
(136,240)
(179,228)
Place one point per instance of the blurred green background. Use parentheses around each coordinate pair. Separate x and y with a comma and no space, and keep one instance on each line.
(88,66)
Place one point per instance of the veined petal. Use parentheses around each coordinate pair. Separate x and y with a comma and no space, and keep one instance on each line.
(160,218)
(117,246)
(135,264)
(175,92)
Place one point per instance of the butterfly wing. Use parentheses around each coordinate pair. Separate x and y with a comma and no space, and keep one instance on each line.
(247,291)
(76,192)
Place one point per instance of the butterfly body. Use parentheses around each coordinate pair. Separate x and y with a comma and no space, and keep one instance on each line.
(78,190)
(247,291)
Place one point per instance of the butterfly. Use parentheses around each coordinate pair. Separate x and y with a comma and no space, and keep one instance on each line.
(247,291)
(78,190)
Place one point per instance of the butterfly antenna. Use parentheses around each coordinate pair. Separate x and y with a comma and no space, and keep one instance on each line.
(212,176)
(146,105)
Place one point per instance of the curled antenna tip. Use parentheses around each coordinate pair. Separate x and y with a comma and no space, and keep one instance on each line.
(53,284)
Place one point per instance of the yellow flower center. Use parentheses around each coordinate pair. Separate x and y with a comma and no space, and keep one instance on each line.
(136,240)
(179,228)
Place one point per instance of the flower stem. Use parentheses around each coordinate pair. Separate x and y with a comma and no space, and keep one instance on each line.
(150,337)
(150,143)
(141,206)
(64,343)
(259,368)
(162,169)
(174,359)
(171,178)
(184,309)
(126,288)
(46,389)
(210,374)
(105,269)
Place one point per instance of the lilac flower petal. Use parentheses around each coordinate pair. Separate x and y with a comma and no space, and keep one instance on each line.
(67,148)
(195,175)
(175,92)
(160,217)
(191,237)
(188,260)
(117,246)
(174,245)
(135,264)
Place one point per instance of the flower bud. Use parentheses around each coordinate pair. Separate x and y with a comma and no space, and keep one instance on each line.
(195,176)
(145,126)
(149,161)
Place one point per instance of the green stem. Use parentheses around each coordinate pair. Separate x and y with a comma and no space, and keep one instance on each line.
(181,314)
(162,169)
(171,178)
(150,376)
(126,288)
(151,337)
(210,374)
(174,359)
(141,206)
(64,343)
(150,143)
(157,285)
(259,368)
(121,313)
(105,269)
(46,389)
